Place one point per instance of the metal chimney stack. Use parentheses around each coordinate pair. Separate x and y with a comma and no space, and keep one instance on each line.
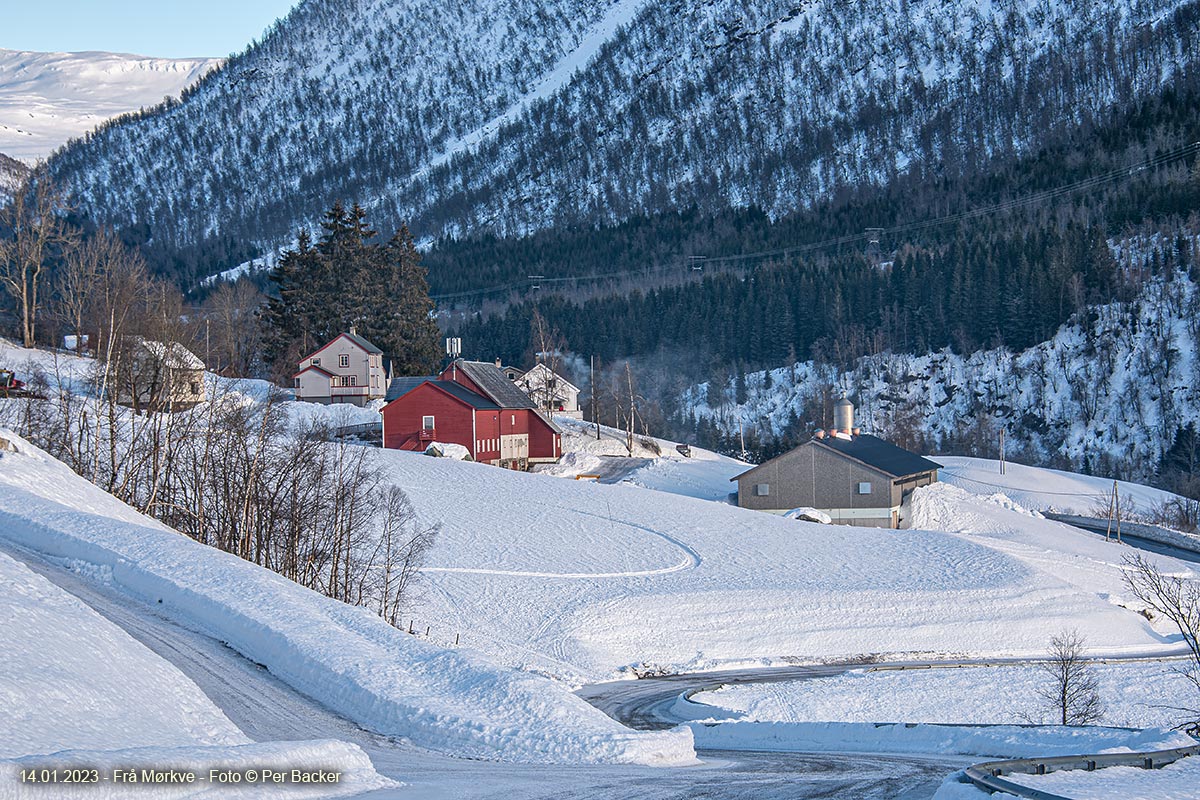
(843,416)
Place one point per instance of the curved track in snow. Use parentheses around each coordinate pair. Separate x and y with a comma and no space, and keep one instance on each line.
(691,559)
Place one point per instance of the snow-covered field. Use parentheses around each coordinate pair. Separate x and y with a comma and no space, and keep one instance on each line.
(347,658)
(48,98)
(1135,695)
(580,580)
(703,474)
(1049,489)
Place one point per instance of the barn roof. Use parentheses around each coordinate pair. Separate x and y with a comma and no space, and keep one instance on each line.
(495,384)
(872,451)
(882,455)
(402,386)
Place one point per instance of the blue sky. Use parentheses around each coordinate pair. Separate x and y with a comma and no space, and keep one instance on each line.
(168,28)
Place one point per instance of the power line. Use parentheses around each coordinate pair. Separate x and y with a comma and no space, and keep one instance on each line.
(1111,176)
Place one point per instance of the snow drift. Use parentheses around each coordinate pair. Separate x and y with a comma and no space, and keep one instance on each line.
(345,657)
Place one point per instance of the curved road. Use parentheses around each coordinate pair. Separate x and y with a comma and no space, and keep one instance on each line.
(267,709)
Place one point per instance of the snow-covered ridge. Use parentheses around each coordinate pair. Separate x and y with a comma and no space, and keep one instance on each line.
(47,99)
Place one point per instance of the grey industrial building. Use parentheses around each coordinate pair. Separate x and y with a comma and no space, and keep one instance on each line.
(855,478)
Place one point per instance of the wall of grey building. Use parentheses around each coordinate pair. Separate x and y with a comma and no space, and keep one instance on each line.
(811,475)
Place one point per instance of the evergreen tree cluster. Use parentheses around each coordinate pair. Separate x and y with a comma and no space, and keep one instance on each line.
(986,287)
(345,279)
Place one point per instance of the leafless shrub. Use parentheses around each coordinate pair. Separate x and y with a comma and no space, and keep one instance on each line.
(1070,690)
(237,476)
(1178,513)
(1177,598)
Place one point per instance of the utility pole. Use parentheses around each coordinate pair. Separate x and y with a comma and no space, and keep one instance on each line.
(1111,502)
(1117,503)
(1002,451)
(595,410)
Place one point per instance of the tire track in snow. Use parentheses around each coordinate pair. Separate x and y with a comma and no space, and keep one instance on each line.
(691,559)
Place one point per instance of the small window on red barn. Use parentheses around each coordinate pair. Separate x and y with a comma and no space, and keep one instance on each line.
(427,423)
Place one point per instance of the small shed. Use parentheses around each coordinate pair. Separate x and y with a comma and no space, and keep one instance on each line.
(855,478)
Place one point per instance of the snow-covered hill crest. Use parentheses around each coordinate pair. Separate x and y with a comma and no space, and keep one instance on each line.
(520,114)
(47,99)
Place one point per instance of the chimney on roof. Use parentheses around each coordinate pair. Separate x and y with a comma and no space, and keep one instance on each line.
(497,362)
(354,330)
(843,416)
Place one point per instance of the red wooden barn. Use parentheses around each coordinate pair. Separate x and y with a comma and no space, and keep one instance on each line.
(474,404)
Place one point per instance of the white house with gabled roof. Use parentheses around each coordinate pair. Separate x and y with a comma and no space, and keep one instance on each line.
(348,369)
(550,391)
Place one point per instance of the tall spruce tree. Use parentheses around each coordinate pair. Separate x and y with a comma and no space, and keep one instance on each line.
(349,279)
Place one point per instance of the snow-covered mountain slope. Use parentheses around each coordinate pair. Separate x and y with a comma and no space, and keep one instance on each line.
(345,657)
(47,99)
(524,114)
(1106,396)
(12,173)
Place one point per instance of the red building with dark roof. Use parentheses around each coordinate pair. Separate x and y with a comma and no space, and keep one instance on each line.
(472,403)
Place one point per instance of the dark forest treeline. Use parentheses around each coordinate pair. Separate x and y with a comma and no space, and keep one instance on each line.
(1005,278)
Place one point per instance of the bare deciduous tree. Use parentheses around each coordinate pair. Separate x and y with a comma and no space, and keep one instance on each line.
(36,231)
(1177,598)
(1071,689)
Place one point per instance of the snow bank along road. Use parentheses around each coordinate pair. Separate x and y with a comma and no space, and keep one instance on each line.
(266,709)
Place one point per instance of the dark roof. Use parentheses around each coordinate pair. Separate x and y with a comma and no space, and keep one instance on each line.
(363,343)
(402,386)
(495,384)
(883,456)
(872,451)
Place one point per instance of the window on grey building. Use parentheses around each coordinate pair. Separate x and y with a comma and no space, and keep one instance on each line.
(762,489)
(864,487)
(343,360)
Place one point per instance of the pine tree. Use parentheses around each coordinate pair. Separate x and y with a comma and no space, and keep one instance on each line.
(410,336)
(346,280)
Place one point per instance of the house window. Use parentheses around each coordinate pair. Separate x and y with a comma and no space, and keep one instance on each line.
(354,380)
(762,489)
(317,362)
(343,360)
(864,487)
(195,388)
(297,383)
(427,423)
(514,419)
